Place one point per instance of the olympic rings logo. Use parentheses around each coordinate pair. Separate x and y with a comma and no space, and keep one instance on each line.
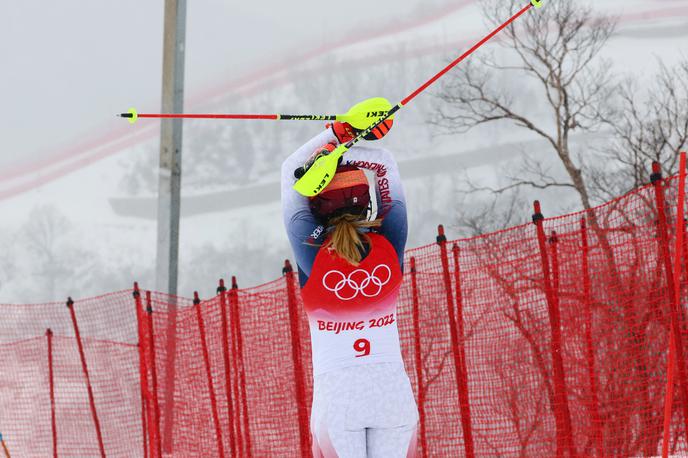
(348,287)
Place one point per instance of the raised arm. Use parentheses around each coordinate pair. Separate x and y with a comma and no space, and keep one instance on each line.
(304,232)
(306,235)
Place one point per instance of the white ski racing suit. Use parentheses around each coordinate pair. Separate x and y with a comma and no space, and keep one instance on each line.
(363,404)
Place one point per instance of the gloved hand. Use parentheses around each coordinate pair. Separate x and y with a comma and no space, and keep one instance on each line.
(317,154)
(343,131)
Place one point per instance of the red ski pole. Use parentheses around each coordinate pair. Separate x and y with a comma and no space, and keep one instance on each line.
(359,116)
(314,180)
(133,115)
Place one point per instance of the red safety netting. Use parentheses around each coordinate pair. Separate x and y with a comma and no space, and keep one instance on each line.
(547,339)
(25,404)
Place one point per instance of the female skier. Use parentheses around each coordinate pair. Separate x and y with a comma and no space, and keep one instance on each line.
(349,245)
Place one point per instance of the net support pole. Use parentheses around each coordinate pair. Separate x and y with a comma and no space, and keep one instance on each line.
(51,383)
(154,426)
(144,422)
(241,374)
(684,269)
(418,358)
(672,283)
(89,388)
(209,375)
(222,292)
(560,407)
(675,353)
(554,244)
(684,265)
(463,383)
(456,345)
(299,371)
(143,370)
(589,349)
(234,369)
(669,394)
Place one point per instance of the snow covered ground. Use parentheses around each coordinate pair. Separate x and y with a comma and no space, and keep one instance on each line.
(62,233)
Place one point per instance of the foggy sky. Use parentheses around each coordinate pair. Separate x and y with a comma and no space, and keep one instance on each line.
(69,66)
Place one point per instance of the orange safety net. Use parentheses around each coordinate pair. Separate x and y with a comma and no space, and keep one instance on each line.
(547,339)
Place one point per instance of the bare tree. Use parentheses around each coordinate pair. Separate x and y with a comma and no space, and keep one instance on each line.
(649,125)
(44,237)
(554,51)
(479,214)
(555,55)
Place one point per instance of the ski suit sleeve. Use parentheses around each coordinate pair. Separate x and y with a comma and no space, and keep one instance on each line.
(305,234)
(394,217)
(395,223)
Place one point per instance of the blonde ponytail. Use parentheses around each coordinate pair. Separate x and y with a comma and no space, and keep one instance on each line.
(346,238)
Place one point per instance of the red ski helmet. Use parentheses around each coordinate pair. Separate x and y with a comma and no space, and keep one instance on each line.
(351,191)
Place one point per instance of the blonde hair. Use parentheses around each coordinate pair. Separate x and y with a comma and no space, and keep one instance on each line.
(347,239)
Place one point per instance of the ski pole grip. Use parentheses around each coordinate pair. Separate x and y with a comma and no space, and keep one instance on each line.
(298,173)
